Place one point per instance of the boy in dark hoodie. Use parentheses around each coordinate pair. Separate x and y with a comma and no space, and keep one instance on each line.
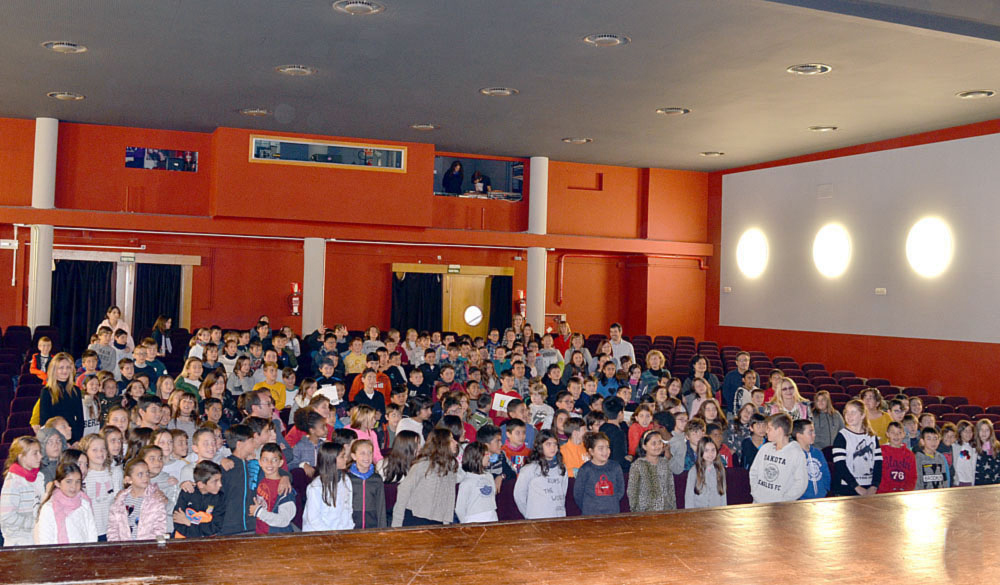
(202,512)
(367,487)
(614,412)
(240,482)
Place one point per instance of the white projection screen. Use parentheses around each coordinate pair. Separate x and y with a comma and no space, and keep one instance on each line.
(877,197)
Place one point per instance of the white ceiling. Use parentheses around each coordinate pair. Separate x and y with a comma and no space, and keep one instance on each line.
(189,65)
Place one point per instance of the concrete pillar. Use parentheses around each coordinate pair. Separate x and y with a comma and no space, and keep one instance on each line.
(43,196)
(43,180)
(40,276)
(538,219)
(538,195)
(313,284)
(537,261)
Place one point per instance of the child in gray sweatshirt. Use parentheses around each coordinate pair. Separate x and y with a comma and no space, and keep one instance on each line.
(932,468)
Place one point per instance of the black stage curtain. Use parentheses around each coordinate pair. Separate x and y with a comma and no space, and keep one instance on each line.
(157,292)
(416,302)
(501,300)
(81,294)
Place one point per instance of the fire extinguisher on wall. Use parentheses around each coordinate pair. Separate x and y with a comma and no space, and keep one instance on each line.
(521,305)
(295,300)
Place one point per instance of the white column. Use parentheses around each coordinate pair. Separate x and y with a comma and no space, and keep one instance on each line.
(43,196)
(538,218)
(43,180)
(40,276)
(313,284)
(537,258)
(538,195)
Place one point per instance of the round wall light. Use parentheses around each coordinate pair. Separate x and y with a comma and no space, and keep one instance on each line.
(832,250)
(751,253)
(929,247)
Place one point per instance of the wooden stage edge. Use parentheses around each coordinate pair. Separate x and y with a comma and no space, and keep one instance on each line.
(939,536)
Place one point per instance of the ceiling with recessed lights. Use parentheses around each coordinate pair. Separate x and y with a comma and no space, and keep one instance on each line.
(194,65)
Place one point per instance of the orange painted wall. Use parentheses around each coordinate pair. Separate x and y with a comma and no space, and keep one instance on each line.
(595,292)
(359,277)
(245,189)
(16,154)
(91,171)
(677,205)
(595,200)
(479,214)
(944,367)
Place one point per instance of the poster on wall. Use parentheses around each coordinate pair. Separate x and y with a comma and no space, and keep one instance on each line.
(138,157)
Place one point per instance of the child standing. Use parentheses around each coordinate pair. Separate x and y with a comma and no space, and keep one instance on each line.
(427,493)
(364,418)
(573,452)
(273,511)
(201,512)
(964,454)
(706,481)
(139,510)
(65,516)
(932,469)
(184,412)
(778,473)
(857,456)
(987,454)
(540,490)
(650,482)
(367,487)
(23,488)
(642,421)
(515,449)
(899,466)
(600,483)
(103,481)
(476,500)
(817,471)
(329,497)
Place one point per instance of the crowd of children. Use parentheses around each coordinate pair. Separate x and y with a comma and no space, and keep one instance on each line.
(123,451)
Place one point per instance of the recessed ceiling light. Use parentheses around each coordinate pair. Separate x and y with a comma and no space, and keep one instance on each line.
(975,94)
(65,47)
(255,112)
(672,111)
(424,127)
(577,140)
(498,91)
(65,96)
(809,69)
(295,70)
(823,128)
(358,7)
(711,153)
(606,40)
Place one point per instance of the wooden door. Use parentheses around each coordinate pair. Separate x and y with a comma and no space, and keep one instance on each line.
(462,293)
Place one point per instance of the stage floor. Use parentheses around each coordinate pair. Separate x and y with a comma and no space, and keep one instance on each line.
(934,537)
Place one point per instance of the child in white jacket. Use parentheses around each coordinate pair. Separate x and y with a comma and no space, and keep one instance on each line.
(23,488)
(477,500)
(66,516)
(330,497)
(540,490)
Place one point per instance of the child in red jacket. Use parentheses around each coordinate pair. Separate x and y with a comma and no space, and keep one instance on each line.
(899,465)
